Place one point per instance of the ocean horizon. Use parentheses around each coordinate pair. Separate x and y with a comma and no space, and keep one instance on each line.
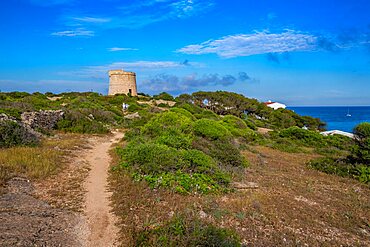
(343,118)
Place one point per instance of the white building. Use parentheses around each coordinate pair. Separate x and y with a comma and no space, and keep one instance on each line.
(338,132)
(275,105)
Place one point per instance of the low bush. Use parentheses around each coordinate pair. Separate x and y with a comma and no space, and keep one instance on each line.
(186,231)
(207,114)
(165,122)
(175,139)
(181,170)
(76,122)
(210,129)
(183,112)
(305,137)
(14,134)
(164,96)
(238,128)
(341,167)
(174,150)
(224,152)
(361,151)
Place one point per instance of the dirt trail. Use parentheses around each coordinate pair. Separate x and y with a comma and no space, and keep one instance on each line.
(101,223)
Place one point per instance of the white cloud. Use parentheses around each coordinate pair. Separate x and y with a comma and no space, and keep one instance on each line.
(173,83)
(56,86)
(121,49)
(92,20)
(253,44)
(101,70)
(74,33)
(144,13)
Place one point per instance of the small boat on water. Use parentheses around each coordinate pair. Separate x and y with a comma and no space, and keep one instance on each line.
(348,115)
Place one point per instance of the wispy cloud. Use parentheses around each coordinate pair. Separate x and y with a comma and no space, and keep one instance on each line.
(173,83)
(143,13)
(253,44)
(113,49)
(51,2)
(100,71)
(94,20)
(74,33)
(54,85)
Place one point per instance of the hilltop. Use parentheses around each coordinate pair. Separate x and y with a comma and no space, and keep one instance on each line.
(206,168)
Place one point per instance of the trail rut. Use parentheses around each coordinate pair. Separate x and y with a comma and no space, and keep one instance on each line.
(101,229)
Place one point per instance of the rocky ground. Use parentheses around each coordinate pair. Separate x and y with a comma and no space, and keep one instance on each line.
(69,208)
(28,221)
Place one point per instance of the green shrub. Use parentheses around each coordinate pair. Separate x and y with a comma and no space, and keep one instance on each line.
(342,168)
(193,109)
(238,128)
(361,151)
(167,121)
(134,107)
(305,137)
(13,134)
(207,114)
(76,122)
(186,231)
(183,112)
(164,96)
(175,139)
(182,182)
(224,152)
(184,171)
(151,158)
(210,129)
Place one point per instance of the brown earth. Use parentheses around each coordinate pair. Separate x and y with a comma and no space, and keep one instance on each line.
(101,222)
(70,208)
(283,203)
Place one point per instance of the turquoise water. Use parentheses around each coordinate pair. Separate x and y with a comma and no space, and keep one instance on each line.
(335,116)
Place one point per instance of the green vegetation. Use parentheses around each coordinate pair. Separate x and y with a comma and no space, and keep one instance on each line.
(197,143)
(257,113)
(361,151)
(341,167)
(356,164)
(13,134)
(84,112)
(36,162)
(186,231)
(172,150)
(164,96)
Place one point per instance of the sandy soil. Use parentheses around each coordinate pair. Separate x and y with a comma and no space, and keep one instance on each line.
(101,222)
(70,208)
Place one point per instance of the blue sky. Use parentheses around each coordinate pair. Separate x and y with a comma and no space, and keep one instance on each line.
(295,51)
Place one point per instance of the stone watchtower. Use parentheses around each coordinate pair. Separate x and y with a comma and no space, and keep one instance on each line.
(122,82)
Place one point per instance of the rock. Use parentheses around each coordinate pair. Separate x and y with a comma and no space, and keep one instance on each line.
(46,120)
(30,131)
(202,214)
(132,116)
(4,117)
(243,186)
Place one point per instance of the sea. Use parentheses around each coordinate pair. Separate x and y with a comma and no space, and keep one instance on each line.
(343,118)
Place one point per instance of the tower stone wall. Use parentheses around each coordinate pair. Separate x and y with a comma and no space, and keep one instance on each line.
(122,82)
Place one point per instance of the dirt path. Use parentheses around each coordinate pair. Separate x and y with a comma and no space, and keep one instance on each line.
(101,227)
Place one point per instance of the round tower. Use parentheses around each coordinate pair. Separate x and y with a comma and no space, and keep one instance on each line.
(122,82)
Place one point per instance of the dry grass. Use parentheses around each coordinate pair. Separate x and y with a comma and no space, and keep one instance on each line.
(64,189)
(38,162)
(30,162)
(293,206)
